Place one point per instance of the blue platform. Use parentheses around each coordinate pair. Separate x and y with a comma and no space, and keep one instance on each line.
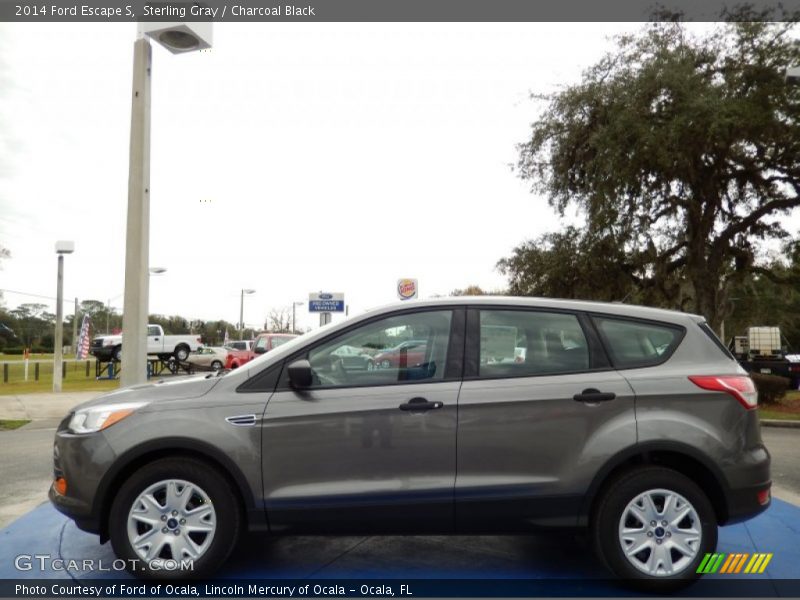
(563,562)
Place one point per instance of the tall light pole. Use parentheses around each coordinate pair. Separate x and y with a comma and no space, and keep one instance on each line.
(177,38)
(62,248)
(241,312)
(294,322)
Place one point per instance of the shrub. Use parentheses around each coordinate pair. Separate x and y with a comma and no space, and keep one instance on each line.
(771,388)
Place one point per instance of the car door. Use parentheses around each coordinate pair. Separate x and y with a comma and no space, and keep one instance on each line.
(367,449)
(155,343)
(534,426)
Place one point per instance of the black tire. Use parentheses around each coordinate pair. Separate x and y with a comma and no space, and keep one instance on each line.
(216,365)
(222,497)
(116,354)
(182,353)
(611,506)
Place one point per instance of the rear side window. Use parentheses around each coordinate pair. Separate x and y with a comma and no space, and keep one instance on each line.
(638,343)
(516,343)
(710,333)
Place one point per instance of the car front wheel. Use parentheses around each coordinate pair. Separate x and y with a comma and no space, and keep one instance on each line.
(175,518)
(652,528)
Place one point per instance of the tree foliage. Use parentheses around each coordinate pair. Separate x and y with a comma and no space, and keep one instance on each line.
(682,152)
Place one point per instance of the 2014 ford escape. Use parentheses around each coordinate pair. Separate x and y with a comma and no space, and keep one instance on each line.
(520,414)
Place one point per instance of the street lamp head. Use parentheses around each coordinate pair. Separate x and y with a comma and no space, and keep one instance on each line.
(157,270)
(65,247)
(248,291)
(179,38)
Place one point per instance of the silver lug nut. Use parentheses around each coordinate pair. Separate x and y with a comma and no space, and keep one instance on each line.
(664,523)
(649,534)
(669,534)
(183,521)
(653,523)
(164,530)
(658,541)
(174,513)
(163,517)
(178,532)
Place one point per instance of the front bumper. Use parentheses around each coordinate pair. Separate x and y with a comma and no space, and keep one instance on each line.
(83,460)
(102,353)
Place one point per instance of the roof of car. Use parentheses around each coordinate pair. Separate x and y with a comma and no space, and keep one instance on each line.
(615,308)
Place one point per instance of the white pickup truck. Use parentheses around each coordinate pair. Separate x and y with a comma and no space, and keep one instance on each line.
(109,347)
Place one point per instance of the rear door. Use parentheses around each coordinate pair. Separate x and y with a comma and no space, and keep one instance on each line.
(540,411)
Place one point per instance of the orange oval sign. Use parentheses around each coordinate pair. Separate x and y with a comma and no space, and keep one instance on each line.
(407,288)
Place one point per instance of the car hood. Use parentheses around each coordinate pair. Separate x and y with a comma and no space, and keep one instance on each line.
(160,391)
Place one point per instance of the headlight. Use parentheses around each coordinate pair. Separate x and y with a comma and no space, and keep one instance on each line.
(96,418)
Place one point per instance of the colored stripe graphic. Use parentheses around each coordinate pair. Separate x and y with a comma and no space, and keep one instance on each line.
(766,562)
(733,563)
(728,563)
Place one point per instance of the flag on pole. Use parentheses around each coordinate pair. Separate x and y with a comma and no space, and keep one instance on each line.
(227,339)
(84,338)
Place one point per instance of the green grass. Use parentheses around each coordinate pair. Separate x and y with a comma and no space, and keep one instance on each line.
(45,384)
(9,424)
(765,413)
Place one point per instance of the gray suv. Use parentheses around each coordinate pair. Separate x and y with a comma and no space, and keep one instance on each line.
(507,415)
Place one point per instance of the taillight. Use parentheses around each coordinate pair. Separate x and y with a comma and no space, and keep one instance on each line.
(740,387)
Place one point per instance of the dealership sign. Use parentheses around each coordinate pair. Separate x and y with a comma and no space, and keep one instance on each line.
(323,302)
(407,288)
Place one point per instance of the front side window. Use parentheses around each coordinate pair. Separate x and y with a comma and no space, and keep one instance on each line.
(522,343)
(638,343)
(399,349)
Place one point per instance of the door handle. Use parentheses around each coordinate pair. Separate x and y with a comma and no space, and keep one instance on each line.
(420,404)
(593,395)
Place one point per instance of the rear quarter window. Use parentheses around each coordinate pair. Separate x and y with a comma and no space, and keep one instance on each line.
(632,344)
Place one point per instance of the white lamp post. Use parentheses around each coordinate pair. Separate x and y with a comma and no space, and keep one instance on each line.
(294,322)
(241,312)
(177,38)
(62,248)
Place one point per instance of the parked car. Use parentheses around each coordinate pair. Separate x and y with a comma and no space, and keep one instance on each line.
(209,358)
(109,347)
(240,345)
(596,426)
(264,342)
(411,352)
(353,358)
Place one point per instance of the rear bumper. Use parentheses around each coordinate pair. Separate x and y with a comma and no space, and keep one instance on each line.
(746,503)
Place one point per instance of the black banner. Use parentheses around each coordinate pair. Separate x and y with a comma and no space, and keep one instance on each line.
(378,588)
(387,10)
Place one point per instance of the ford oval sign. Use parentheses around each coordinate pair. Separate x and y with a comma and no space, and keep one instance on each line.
(407,288)
(326,296)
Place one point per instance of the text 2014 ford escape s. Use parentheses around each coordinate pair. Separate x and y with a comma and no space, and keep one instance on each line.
(522,413)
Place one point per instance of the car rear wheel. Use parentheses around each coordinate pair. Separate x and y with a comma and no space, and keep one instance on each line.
(216,365)
(652,528)
(174,518)
(385,364)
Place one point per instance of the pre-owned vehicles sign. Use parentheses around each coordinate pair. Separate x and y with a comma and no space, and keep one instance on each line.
(321,302)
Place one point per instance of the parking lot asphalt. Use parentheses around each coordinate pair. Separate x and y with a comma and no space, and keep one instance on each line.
(563,560)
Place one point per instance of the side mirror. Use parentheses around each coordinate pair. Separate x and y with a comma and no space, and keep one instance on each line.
(300,374)
(259,350)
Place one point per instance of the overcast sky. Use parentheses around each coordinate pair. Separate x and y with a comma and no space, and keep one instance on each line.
(290,158)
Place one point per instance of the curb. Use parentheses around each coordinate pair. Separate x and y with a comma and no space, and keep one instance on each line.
(789,424)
